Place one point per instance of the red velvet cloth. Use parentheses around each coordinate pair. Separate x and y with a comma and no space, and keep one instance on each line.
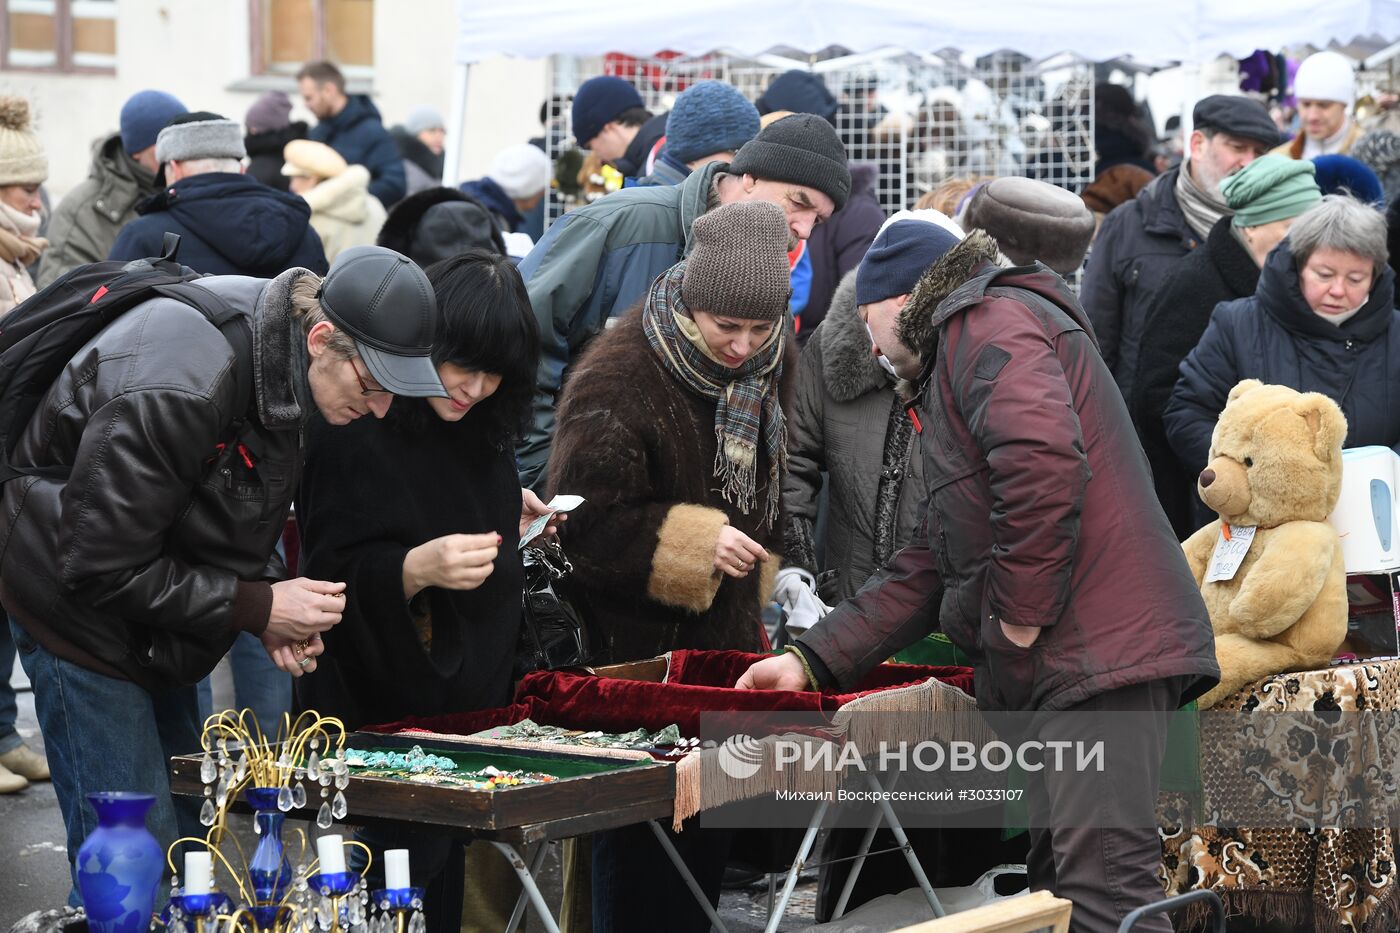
(698,682)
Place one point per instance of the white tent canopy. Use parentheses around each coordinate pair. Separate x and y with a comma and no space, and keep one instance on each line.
(1097,30)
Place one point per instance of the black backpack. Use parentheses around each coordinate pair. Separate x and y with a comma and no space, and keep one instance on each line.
(42,334)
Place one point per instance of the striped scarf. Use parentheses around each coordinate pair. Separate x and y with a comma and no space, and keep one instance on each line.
(746,397)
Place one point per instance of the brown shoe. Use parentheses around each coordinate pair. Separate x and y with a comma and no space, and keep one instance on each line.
(26,763)
(11,783)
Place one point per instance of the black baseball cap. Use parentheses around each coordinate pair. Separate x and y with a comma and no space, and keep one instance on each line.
(386,304)
(1238,116)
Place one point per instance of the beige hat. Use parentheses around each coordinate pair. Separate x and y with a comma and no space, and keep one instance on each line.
(312,159)
(22,159)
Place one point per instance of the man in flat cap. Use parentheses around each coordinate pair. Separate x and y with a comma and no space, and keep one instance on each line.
(1141,239)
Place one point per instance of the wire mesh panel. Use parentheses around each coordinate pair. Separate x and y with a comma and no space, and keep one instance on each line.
(916,119)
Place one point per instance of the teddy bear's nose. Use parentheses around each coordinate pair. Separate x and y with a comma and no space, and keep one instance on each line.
(1207,477)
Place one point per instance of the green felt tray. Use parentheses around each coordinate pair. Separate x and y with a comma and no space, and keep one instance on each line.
(559,765)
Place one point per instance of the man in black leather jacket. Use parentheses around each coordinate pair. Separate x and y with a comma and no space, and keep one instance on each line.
(128,581)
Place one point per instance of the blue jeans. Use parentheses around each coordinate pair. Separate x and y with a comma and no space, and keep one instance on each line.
(9,709)
(103,734)
(257,685)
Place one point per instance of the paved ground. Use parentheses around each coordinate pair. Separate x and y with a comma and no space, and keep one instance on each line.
(34,867)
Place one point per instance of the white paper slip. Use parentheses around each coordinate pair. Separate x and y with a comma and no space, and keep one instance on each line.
(1229,553)
(560,503)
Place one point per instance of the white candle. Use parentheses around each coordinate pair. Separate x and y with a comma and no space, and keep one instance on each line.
(331,851)
(396,869)
(197,871)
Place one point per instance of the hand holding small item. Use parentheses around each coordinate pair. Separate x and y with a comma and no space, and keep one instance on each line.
(532,507)
(736,553)
(453,562)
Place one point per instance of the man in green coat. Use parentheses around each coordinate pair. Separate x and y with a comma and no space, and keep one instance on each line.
(86,222)
(596,262)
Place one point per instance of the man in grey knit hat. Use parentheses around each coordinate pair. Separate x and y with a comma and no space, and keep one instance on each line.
(596,262)
(229,224)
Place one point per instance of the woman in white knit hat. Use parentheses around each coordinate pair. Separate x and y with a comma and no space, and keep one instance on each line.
(23,168)
(343,212)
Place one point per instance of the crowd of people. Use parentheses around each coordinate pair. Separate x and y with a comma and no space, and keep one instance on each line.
(737,359)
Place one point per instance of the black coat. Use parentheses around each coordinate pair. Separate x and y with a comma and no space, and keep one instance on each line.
(372,491)
(838,246)
(1221,271)
(1275,337)
(228,225)
(152,558)
(633,163)
(1139,243)
(265,154)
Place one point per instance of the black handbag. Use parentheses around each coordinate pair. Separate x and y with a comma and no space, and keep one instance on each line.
(552,632)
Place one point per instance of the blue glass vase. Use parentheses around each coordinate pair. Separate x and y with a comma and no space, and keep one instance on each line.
(120,864)
(269,869)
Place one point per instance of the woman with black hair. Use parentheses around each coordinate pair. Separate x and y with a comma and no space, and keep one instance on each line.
(420,514)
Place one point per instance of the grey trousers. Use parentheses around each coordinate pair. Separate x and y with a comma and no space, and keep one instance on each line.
(1105,872)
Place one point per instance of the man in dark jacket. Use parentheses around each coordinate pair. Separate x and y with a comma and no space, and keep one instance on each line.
(86,222)
(229,224)
(128,583)
(352,127)
(837,246)
(1142,239)
(594,263)
(1043,555)
(611,121)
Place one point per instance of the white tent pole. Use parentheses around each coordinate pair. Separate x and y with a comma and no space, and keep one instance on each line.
(452,164)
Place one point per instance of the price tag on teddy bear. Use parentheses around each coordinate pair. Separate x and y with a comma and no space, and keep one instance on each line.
(1230,549)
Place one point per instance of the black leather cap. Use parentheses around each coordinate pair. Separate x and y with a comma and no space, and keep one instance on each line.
(1238,116)
(386,304)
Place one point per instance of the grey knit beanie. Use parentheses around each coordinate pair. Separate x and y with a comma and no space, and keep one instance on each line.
(803,149)
(200,135)
(739,265)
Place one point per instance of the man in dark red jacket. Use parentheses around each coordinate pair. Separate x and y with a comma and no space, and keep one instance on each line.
(1044,554)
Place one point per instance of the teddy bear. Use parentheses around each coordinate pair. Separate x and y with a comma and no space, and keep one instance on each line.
(1270,567)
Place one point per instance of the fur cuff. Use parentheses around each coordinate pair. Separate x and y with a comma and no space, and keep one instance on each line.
(683,570)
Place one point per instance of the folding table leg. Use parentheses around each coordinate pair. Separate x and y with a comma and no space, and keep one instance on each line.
(849,887)
(903,840)
(776,917)
(527,881)
(689,879)
(518,914)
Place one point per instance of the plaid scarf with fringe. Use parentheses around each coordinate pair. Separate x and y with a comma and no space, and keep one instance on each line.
(746,397)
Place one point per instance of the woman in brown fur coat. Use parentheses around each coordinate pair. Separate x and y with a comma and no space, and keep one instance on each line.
(671,427)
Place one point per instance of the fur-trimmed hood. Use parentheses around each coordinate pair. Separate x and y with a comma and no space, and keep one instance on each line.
(848,363)
(918,322)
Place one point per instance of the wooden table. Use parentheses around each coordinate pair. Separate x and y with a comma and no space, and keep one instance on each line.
(512,818)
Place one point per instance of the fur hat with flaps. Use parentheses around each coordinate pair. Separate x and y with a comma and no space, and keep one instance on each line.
(739,264)
(22,159)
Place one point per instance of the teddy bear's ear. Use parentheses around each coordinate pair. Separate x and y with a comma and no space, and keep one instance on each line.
(1243,386)
(1326,421)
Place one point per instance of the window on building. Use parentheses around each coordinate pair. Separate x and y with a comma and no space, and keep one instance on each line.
(289,33)
(59,35)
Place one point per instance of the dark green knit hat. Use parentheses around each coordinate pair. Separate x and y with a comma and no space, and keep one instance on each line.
(1272,187)
(803,149)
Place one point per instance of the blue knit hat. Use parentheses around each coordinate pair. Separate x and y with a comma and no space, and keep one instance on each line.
(898,257)
(597,103)
(144,115)
(709,117)
(1340,174)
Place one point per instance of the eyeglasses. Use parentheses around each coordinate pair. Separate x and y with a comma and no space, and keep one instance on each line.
(365,388)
